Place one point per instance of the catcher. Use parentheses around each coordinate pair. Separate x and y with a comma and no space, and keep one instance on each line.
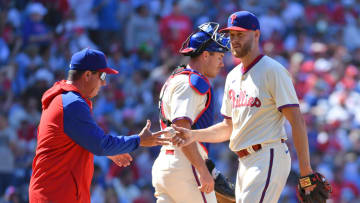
(186,100)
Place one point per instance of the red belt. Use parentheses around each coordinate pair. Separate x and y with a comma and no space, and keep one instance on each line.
(244,152)
(170,152)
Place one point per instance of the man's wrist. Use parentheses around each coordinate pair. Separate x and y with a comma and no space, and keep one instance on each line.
(202,168)
(306,171)
(195,135)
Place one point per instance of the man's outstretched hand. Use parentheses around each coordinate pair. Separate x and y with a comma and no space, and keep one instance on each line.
(149,139)
(121,160)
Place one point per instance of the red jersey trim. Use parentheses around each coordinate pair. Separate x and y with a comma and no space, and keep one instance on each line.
(246,69)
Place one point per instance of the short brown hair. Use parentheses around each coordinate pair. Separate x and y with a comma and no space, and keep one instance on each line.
(74,75)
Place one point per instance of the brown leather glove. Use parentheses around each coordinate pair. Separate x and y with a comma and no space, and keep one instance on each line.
(319,194)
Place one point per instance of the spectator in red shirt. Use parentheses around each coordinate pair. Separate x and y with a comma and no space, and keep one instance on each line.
(174,28)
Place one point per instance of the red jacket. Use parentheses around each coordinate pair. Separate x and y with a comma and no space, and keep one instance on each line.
(62,169)
(68,137)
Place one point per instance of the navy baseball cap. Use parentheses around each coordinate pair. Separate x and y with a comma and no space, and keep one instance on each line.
(242,21)
(90,59)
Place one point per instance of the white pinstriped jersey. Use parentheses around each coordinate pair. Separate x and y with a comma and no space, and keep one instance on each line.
(253,98)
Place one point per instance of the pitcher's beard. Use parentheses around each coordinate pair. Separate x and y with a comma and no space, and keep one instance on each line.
(244,50)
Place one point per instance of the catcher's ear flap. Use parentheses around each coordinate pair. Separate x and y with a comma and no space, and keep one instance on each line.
(187,51)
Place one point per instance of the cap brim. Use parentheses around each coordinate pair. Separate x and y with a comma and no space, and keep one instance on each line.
(233,28)
(108,70)
(187,50)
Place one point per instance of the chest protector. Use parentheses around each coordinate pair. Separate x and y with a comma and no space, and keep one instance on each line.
(200,85)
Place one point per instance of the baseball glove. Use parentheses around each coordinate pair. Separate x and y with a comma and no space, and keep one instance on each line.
(319,194)
(223,187)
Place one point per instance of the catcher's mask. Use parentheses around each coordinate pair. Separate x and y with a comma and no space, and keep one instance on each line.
(205,39)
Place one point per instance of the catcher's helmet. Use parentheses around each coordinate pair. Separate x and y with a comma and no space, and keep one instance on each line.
(205,39)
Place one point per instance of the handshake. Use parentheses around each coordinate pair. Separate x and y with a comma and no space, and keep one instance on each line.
(174,135)
(150,139)
(163,137)
(178,138)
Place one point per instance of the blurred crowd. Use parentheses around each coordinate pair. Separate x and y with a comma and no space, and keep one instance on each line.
(318,41)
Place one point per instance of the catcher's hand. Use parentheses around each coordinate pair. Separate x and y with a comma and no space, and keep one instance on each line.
(320,192)
(223,187)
